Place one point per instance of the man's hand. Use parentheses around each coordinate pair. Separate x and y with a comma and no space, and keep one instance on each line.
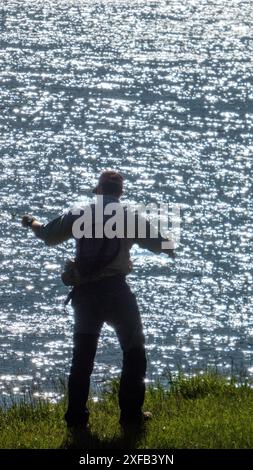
(27,220)
(168,247)
(171,253)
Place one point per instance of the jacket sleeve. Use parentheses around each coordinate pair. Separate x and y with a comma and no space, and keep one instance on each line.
(147,240)
(57,230)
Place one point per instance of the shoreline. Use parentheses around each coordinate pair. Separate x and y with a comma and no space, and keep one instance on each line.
(201,412)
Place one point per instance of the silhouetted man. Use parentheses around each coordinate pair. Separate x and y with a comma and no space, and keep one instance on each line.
(103,295)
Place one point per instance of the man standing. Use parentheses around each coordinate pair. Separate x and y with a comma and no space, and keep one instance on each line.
(103,295)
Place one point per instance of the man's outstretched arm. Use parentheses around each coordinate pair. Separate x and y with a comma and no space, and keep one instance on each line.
(55,232)
(156,244)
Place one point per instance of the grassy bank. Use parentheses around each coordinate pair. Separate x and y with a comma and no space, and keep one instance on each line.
(198,412)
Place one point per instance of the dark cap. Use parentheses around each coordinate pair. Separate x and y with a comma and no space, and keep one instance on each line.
(111,182)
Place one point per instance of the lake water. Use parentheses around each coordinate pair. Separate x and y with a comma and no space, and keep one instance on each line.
(162,91)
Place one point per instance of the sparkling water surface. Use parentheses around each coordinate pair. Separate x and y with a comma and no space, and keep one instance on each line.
(162,91)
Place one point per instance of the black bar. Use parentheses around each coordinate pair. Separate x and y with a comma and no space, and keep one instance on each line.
(111,458)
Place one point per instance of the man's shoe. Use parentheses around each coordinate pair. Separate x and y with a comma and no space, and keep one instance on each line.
(78,436)
(147,415)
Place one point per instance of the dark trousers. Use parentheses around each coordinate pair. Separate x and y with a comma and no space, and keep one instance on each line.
(109,300)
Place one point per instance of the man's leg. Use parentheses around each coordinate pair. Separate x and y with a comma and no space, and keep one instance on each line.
(127,322)
(84,352)
(88,323)
(132,385)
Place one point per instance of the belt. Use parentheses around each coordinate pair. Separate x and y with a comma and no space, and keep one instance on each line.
(69,296)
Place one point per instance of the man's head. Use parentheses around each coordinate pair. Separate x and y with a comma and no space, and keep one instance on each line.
(109,183)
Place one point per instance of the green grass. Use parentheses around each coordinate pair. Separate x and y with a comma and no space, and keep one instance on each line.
(204,411)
